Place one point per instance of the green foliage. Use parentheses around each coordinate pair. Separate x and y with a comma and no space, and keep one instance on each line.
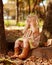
(6,23)
(9,22)
(40,23)
(21,23)
(13,22)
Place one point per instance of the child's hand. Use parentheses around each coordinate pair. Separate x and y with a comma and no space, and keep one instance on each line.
(49,42)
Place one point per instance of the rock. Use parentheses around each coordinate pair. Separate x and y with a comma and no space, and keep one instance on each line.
(42,52)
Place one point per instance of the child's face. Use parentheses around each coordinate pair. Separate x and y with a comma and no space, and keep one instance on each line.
(33,24)
(33,21)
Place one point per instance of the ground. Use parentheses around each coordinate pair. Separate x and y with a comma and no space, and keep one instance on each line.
(39,56)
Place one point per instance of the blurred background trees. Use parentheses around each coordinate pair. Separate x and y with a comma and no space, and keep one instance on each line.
(17,10)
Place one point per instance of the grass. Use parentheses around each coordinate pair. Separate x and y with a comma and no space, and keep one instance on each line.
(13,23)
(21,23)
(9,22)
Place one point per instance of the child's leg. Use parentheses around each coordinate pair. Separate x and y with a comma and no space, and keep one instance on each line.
(16,48)
(25,49)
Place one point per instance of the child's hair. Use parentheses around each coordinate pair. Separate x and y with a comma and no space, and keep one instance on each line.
(32,16)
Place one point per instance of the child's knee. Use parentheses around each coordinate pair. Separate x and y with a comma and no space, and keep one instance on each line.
(17,43)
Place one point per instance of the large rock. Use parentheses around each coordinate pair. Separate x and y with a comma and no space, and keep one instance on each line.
(42,52)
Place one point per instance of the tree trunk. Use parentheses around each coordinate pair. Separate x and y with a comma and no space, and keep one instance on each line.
(29,6)
(47,27)
(17,12)
(2,31)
